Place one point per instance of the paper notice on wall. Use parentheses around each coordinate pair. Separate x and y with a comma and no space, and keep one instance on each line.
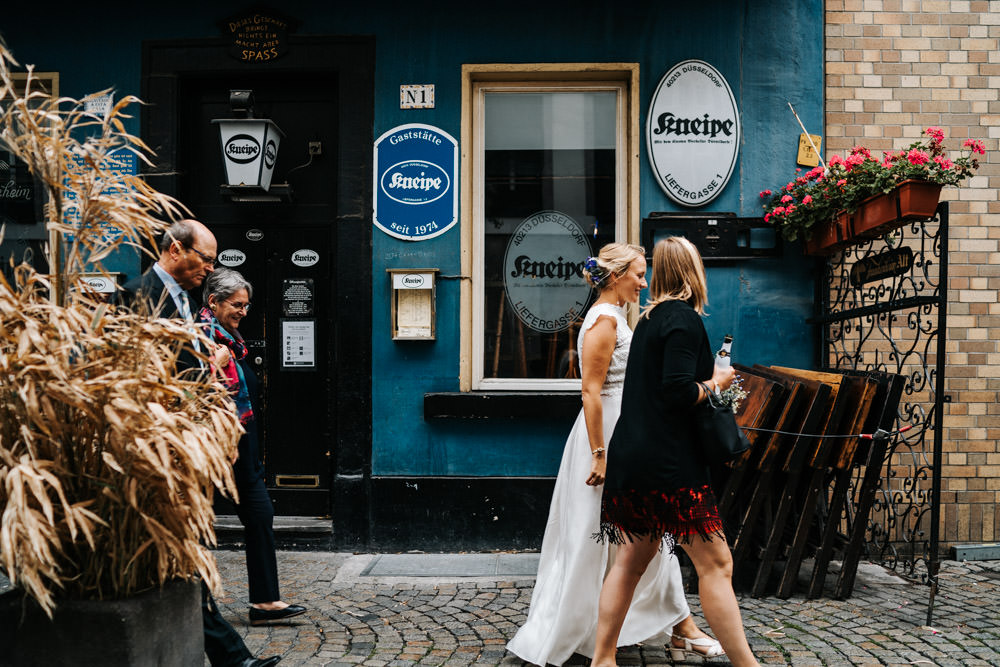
(413,312)
(99,105)
(298,344)
(297,297)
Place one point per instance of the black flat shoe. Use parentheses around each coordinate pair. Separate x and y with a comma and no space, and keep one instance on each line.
(261,662)
(262,616)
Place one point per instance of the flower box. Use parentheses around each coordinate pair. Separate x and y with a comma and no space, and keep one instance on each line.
(885,193)
(832,235)
(910,200)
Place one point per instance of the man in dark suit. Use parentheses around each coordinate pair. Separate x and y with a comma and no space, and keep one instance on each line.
(187,255)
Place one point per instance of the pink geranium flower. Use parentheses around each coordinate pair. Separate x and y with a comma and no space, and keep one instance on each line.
(976,146)
(765,193)
(944,162)
(807,199)
(917,157)
(786,199)
(854,159)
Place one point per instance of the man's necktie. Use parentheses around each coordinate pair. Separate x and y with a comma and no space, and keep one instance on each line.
(186,314)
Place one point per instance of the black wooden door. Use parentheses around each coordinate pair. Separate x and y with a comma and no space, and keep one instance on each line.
(285,249)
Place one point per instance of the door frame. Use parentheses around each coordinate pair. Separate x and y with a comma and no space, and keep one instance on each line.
(352,58)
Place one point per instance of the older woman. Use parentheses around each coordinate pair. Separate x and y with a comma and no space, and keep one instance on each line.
(227,297)
(563,614)
(656,484)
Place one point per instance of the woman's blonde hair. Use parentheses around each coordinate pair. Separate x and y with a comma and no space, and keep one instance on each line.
(678,275)
(611,262)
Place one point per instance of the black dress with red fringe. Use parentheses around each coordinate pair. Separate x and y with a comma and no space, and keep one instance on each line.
(657,483)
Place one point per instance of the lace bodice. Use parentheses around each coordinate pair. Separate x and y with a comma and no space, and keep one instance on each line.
(615,378)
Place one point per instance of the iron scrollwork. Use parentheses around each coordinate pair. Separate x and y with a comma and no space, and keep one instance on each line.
(896,324)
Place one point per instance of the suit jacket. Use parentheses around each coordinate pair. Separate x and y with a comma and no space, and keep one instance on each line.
(147,294)
(149,290)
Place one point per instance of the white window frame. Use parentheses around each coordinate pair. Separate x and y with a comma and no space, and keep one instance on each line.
(478,80)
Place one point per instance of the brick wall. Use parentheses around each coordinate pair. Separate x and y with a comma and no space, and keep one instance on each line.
(894,67)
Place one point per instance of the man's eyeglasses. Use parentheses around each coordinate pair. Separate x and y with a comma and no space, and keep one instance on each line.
(208,259)
(245,307)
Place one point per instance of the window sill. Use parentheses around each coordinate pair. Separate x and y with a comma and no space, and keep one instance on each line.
(502,405)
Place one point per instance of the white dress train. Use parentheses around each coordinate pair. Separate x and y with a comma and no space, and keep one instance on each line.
(562,619)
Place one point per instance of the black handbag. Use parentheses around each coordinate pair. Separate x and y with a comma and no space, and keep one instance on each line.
(722,439)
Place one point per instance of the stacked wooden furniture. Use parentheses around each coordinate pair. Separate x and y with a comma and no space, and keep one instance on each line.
(790,497)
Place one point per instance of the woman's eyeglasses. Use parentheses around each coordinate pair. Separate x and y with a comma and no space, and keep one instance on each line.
(245,307)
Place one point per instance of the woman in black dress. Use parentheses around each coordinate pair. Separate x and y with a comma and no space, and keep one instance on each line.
(657,487)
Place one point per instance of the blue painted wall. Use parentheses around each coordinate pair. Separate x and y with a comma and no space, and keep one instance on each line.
(770,52)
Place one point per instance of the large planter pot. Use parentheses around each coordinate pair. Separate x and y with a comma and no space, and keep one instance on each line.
(159,627)
(832,235)
(910,200)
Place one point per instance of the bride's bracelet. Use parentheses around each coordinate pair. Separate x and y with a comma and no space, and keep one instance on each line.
(595,452)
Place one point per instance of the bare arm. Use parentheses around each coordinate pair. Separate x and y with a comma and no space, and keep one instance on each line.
(598,347)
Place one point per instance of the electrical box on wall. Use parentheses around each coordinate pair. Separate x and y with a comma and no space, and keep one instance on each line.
(414,303)
(718,236)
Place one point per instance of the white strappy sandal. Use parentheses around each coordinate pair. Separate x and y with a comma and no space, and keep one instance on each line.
(710,648)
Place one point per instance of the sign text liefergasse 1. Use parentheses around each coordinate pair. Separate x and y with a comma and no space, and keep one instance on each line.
(415,191)
(693,133)
(543,271)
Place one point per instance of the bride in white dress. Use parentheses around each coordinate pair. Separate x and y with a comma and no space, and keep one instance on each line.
(562,619)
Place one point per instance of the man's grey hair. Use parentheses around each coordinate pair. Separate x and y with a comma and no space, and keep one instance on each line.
(223,283)
(181,231)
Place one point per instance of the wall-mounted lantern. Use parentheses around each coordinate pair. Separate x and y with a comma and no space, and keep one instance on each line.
(249,151)
(414,297)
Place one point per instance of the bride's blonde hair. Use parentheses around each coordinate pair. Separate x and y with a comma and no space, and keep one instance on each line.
(611,262)
(678,275)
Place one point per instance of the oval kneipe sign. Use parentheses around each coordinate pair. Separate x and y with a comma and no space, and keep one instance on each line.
(693,133)
(543,271)
(415,182)
(242,148)
(232,257)
(305,257)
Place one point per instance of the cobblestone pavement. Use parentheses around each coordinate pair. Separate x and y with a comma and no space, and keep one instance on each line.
(361,620)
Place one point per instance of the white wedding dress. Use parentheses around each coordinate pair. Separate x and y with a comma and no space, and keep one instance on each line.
(562,619)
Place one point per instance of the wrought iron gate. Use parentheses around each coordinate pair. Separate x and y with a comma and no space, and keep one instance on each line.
(883,306)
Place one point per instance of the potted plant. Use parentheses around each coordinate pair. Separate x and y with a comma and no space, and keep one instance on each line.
(862,196)
(108,457)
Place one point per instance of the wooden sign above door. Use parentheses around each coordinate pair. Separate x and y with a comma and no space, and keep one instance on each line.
(258,35)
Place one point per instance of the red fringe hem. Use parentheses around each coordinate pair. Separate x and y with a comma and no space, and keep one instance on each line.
(650,515)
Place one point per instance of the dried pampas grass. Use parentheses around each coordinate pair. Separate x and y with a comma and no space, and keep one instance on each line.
(108,456)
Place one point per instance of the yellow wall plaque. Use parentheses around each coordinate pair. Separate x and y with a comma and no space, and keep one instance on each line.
(807,156)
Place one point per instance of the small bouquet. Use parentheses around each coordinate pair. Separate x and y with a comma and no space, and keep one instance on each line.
(734,394)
